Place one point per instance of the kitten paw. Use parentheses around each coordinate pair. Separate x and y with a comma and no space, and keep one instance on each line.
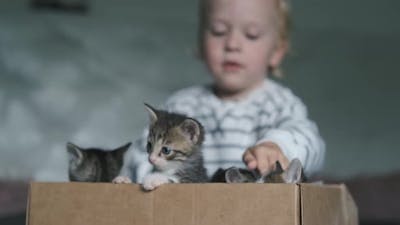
(152,181)
(122,180)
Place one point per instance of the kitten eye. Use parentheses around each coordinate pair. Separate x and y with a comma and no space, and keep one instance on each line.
(166,150)
(148,147)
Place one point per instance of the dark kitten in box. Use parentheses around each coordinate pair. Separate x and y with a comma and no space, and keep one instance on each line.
(95,164)
(293,174)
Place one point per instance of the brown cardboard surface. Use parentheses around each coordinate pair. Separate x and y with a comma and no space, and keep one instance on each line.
(328,205)
(255,204)
(88,203)
(186,204)
(350,209)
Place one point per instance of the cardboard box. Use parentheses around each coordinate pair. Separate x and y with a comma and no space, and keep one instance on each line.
(190,204)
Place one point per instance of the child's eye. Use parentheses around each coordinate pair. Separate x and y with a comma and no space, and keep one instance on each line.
(218,29)
(148,147)
(166,150)
(217,32)
(253,32)
(252,36)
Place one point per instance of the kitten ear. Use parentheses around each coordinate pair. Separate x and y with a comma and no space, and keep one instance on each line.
(124,147)
(294,172)
(277,171)
(192,130)
(120,151)
(218,176)
(74,153)
(278,167)
(236,175)
(152,113)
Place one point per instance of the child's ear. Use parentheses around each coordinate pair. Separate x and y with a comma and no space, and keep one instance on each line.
(236,175)
(278,54)
(74,153)
(294,172)
(191,129)
(152,113)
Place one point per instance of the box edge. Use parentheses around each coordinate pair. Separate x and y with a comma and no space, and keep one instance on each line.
(28,204)
(299,205)
(347,199)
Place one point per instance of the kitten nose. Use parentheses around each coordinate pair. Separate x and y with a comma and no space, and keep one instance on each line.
(152,159)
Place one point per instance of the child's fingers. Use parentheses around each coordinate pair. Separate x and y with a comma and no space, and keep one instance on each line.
(263,164)
(249,160)
(283,161)
(252,165)
(264,167)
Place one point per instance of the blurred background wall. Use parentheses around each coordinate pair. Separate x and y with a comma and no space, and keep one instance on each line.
(82,77)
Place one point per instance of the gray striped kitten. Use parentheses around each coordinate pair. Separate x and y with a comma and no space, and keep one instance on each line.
(293,174)
(94,164)
(174,149)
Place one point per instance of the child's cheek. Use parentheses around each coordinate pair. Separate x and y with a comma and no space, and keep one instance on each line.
(213,60)
(259,60)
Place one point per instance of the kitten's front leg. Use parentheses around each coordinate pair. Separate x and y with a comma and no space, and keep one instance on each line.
(122,180)
(152,181)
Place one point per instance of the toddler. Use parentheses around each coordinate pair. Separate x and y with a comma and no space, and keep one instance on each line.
(247,116)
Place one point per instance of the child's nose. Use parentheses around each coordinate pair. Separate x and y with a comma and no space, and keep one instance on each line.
(233,42)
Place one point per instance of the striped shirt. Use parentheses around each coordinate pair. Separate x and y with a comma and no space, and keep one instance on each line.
(270,113)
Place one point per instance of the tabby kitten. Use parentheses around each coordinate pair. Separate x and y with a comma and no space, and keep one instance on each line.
(94,164)
(293,174)
(174,149)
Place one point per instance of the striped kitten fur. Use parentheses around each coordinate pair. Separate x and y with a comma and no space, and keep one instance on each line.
(293,174)
(94,164)
(174,149)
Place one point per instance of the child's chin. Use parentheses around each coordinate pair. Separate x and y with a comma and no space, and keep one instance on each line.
(232,89)
(231,85)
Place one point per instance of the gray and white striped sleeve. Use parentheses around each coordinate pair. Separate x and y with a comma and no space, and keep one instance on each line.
(184,101)
(294,132)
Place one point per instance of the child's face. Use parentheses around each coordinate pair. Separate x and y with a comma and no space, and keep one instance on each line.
(240,43)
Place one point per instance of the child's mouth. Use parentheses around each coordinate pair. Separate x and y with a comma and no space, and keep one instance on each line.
(230,66)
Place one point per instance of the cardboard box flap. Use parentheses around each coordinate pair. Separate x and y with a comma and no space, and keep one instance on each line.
(327,204)
(172,204)
(350,210)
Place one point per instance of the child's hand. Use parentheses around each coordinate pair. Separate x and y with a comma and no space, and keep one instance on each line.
(263,157)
